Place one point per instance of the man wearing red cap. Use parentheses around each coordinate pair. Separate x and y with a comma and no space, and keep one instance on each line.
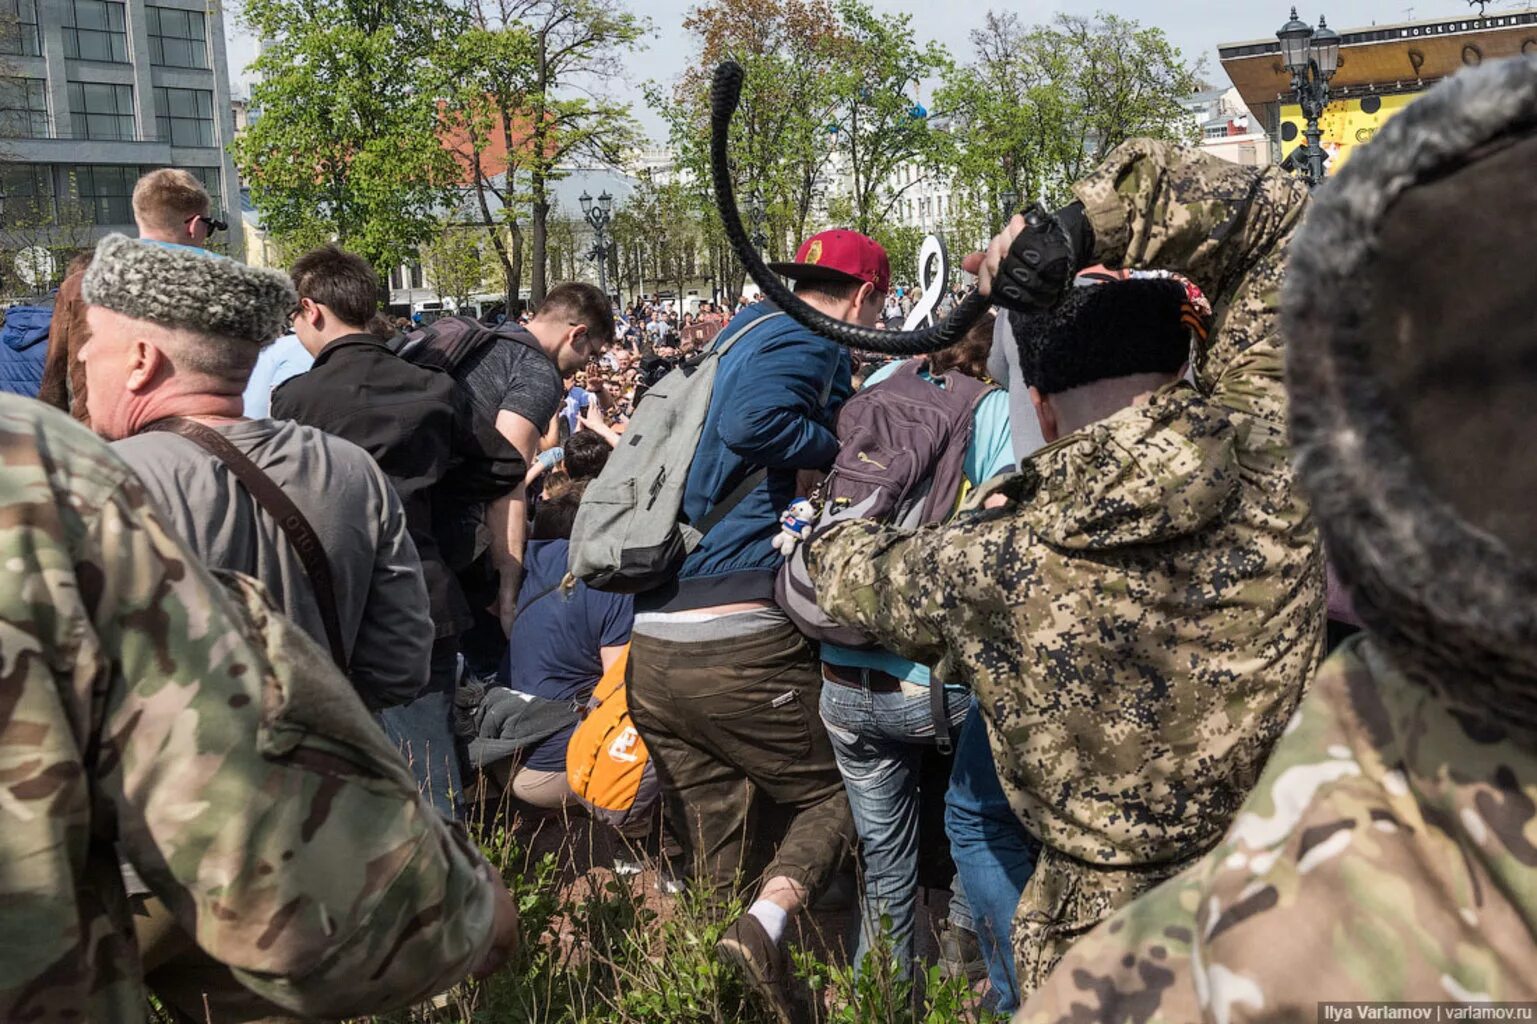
(723,688)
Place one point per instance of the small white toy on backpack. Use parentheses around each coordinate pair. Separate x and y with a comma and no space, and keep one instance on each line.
(794,524)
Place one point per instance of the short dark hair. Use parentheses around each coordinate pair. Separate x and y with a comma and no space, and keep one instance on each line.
(837,291)
(583,304)
(341,281)
(556,513)
(586,454)
(1104,331)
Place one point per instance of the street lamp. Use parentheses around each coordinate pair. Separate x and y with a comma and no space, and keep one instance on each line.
(598,215)
(1010,200)
(756,215)
(1312,56)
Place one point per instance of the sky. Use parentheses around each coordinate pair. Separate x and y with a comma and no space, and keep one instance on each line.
(1195,26)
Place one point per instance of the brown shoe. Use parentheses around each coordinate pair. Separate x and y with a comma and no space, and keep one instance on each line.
(746,946)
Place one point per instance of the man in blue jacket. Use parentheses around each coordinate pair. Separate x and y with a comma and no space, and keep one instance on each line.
(723,688)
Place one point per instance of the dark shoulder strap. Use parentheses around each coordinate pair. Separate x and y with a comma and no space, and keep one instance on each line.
(281,508)
(736,497)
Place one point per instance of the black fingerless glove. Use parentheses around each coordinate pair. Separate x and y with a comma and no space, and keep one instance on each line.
(1043,260)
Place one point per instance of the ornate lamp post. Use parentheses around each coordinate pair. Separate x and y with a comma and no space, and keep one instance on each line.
(598,215)
(756,215)
(1312,56)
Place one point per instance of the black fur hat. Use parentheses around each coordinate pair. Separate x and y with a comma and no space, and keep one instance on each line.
(1410,313)
(1101,331)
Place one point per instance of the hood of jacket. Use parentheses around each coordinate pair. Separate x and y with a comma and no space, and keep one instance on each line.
(1149,474)
(1412,374)
(26,326)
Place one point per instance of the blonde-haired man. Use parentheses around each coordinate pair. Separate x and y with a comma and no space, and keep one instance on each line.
(171,207)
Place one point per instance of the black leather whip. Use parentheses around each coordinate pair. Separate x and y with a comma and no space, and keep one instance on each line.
(725,93)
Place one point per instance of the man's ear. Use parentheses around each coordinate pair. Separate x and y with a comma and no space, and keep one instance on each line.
(146,363)
(1045,414)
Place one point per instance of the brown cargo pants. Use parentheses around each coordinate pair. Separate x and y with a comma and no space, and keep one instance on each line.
(746,767)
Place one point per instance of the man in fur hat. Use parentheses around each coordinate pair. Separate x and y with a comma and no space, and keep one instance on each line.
(1390,849)
(1139,620)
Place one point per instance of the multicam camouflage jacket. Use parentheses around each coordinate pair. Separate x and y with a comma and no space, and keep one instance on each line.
(145,708)
(1388,854)
(1140,622)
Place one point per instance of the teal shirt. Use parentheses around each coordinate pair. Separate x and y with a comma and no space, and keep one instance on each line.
(990,452)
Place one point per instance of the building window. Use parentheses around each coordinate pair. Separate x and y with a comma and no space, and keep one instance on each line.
(209,176)
(18,28)
(184,117)
(26,195)
(23,108)
(95,30)
(101,110)
(177,39)
(1217,132)
(106,192)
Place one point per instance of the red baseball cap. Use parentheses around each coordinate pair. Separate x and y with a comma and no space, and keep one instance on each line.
(839,255)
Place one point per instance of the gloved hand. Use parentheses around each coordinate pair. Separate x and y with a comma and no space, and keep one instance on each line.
(1029,268)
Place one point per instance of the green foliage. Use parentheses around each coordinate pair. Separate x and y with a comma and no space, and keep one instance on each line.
(879,126)
(453,262)
(1039,106)
(346,145)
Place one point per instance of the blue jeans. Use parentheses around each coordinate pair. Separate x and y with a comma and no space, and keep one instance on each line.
(994,855)
(423,729)
(879,740)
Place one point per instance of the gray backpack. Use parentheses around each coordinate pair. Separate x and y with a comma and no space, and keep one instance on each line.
(629,536)
(901,460)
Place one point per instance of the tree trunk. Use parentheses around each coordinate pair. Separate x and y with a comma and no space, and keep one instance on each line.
(515,272)
(541,235)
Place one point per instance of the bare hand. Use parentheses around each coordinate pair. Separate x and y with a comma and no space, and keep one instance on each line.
(985,264)
(504,934)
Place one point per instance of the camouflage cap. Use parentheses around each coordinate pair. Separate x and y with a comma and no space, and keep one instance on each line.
(1412,366)
(180,286)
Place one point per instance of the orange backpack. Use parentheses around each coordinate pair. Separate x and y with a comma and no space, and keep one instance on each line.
(606,760)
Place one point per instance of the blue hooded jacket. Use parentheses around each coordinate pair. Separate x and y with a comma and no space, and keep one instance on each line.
(763,413)
(24,348)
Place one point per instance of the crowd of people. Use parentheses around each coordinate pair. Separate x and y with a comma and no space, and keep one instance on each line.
(1038,620)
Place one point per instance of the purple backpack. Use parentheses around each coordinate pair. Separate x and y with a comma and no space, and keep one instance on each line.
(901,460)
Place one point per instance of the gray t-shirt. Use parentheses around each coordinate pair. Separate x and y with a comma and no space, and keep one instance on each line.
(381,597)
(507,374)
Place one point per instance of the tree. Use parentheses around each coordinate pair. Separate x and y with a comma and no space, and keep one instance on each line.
(490,68)
(347,145)
(575,42)
(1039,106)
(452,260)
(880,127)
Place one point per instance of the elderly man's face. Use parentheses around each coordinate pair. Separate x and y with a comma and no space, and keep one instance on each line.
(116,368)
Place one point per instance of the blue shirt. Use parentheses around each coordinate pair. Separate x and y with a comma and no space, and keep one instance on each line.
(990,452)
(279,361)
(555,650)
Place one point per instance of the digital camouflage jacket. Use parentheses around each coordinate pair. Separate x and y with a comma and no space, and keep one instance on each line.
(1140,621)
(1387,854)
(145,708)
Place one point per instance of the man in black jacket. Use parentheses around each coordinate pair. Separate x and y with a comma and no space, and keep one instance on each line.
(421,430)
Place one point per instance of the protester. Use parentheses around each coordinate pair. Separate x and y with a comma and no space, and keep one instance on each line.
(876,705)
(163,355)
(425,437)
(1385,859)
(198,734)
(561,644)
(1156,554)
(171,207)
(723,688)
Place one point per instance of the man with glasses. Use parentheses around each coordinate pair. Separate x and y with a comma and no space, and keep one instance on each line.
(171,207)
(420,429)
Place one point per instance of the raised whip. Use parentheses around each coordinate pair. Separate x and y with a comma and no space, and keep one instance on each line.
(725,93)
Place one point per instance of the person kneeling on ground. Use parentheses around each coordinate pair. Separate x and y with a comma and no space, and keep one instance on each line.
(562,641)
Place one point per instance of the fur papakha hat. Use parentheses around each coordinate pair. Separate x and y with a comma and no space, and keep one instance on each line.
(1410,320)
(179,286)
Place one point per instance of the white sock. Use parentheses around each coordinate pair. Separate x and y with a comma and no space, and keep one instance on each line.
(772,917)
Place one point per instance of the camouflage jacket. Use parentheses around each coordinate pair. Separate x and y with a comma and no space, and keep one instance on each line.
(147,709)
(1387,854)
(1141,620)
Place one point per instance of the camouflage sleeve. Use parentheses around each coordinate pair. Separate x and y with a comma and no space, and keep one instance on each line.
(910,589)
(257,797)
(1158,206)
